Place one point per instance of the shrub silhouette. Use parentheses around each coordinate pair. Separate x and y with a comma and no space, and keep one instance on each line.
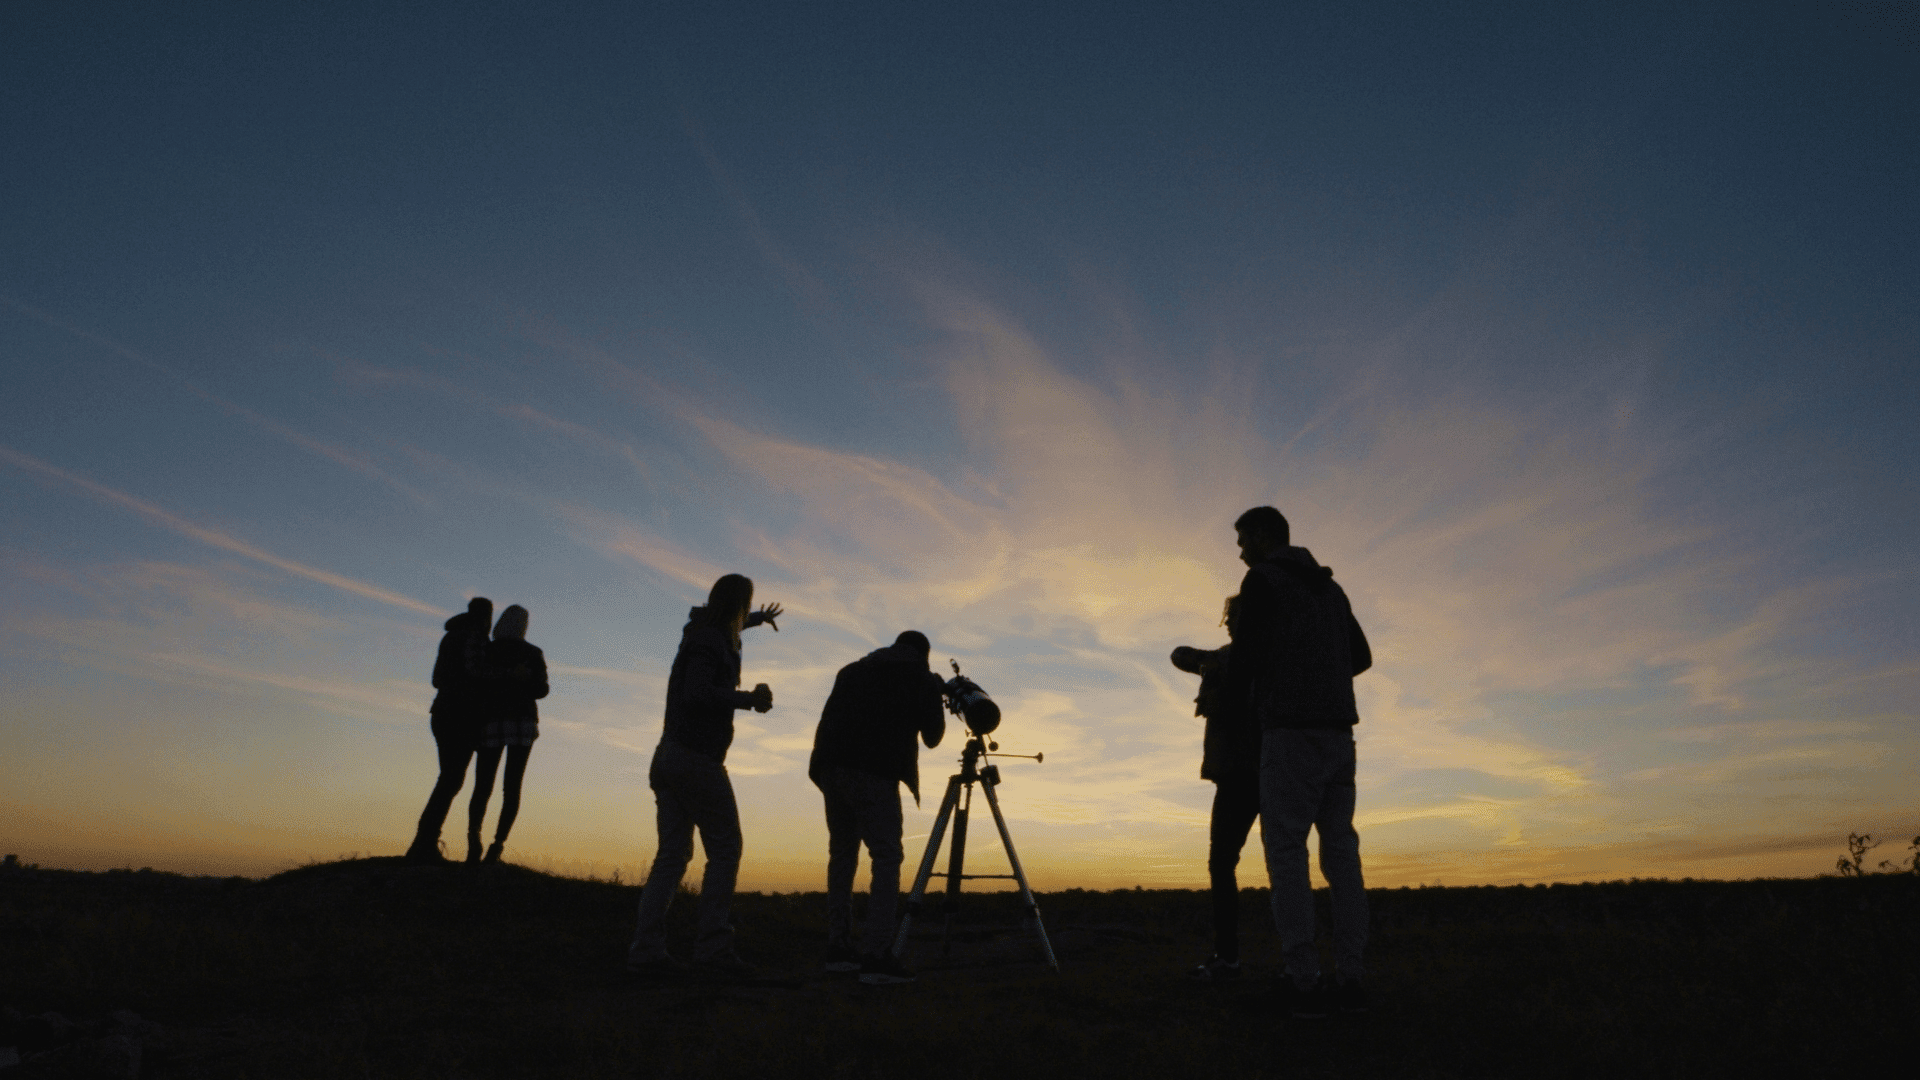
(1853,863)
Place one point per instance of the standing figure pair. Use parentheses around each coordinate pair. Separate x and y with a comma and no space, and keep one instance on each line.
(487,689)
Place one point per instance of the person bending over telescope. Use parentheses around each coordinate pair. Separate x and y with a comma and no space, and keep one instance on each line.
(863,751)
(1297,648)
(1230,757)
(690,786)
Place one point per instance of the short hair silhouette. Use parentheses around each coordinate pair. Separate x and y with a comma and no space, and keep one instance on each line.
(730,595)
(482,609)
(512,624)
(916,640)
(1267,520)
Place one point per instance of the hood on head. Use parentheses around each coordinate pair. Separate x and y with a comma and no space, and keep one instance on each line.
(1301,563)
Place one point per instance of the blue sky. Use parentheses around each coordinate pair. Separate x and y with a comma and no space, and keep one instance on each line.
(1580,343)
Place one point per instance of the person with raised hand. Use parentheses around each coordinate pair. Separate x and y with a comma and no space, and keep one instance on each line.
(691,790)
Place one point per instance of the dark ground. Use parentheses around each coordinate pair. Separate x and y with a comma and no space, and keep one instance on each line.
(377,968)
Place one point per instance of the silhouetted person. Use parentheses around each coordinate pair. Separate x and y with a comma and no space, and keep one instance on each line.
(514,677)
(1230,757)
(1297,646)
(689,780)
(863,751)
(456,719)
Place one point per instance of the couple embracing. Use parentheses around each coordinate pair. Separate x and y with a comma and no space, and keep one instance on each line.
(488,686)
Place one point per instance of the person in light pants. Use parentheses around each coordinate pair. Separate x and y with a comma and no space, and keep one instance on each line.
(1301,648)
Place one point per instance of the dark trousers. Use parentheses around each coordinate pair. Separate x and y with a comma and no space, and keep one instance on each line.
(485,766)
(456,740)
(861,809)
(1236,803)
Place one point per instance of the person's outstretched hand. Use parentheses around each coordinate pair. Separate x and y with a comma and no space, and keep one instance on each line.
(762,698)
(766,614)
(1189,659)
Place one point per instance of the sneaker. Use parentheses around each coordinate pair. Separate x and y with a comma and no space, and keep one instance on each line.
(884,970)
(1348,998)
(1216,970)
(842,959)
(1309,1004)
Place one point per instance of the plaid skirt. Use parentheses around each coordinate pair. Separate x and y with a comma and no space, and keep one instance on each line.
(510,733)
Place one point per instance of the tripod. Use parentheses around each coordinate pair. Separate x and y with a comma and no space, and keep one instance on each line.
(955,807)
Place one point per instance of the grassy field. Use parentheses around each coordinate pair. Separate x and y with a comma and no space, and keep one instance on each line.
(377,968)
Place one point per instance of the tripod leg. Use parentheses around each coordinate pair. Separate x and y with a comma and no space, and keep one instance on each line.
(956,865)
(1026,894)
(912,908)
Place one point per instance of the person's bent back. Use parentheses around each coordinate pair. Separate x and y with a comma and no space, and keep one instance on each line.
(863,750)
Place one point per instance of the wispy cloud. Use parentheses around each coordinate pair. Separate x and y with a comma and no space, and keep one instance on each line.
(212,537)
(356,462)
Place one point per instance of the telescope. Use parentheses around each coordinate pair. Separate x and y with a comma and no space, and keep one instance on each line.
(966,700)
(971,704)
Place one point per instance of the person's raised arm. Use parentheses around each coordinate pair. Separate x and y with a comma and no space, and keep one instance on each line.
(766,614)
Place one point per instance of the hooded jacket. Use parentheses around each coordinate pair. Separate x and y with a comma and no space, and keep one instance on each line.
(456,668)
(1300,644)
(878,704)
(703,690)
(515,678)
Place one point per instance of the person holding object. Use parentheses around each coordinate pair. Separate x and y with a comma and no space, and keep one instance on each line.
(689,780)
(1296,650)
(456,719)
(514,677)
(1230,757)
(863,751)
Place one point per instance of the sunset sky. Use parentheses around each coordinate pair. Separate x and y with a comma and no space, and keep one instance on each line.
(1579,340)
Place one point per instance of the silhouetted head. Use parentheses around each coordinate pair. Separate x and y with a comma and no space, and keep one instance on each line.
(1230,614)
(1263,534)
(914,641)
(481,609)
(512,624)
(729,601)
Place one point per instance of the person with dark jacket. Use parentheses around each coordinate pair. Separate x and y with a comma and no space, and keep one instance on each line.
(863,751)
(1230,757)
(1296,649)
(513,678)
(456,719)
(689,780)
